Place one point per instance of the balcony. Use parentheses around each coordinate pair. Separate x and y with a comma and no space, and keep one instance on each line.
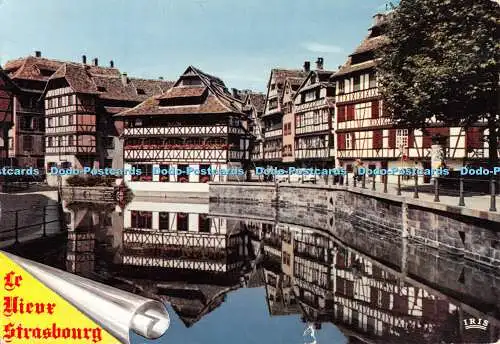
(178,131)
(71,150)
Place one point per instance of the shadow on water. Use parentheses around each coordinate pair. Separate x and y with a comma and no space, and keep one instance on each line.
(267,275)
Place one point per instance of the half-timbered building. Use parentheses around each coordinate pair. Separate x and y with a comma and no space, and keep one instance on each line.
(26,137)
(7,93)
(291,86)
(314,108)
(181,236)
(254,104)
(197,125)
(274,110)
(80,102)
(365,131)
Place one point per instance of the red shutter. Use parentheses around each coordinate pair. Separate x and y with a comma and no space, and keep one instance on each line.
(341,113)
(375,109)
(341,141)
(377,139)
(411,138)
(474,138)
(353,138)
(350,112)
(392,138)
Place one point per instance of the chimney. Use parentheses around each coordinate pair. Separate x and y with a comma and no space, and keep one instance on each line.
(124,78)
(235,92)
(112,64)
(38,53)
(378,19)
(319,63)
(307,66)
(95,62)
(84,59)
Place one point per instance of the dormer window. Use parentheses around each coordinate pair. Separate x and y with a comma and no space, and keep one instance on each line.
(101,89)
(46,72)
(140,91)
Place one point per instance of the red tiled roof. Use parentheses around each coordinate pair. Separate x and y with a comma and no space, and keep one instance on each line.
(184,91)
(217,101)
(108,83)
(350,68)
(258,100)
(32,68)
(371,44)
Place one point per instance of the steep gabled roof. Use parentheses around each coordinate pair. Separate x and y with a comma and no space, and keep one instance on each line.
(107,83)
(323,79)
(212,94)
(32,68)
(295,76)
(373,42)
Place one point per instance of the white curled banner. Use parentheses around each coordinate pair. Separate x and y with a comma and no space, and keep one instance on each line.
(115,310)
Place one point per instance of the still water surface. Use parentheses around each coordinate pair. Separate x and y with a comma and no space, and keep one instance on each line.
(227,277)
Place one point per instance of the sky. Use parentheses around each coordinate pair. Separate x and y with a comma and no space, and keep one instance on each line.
(238,41)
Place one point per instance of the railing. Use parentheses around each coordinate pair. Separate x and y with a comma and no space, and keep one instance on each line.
(459,189)
(472,193)
(30,224)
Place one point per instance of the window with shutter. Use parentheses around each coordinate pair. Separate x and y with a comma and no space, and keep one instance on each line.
(411,139)
(474,138)
(377,139)
(375,109)
(350,112)
(341,141)
(392,138)
(341,113)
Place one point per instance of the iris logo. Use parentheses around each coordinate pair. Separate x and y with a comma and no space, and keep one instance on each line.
(473,323)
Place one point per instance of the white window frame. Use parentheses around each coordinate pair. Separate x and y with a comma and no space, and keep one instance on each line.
(402,138)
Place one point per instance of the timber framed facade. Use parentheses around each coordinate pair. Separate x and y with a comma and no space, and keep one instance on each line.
(80,101)
(314,120)
(365,132)
(195,126)
(181,237)
(7,97)
(274,112)
(26,137)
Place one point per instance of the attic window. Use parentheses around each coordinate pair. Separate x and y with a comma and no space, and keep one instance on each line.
(45,72)
(101,89)
(140,91)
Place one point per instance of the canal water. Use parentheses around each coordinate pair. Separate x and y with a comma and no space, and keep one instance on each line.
(241,274)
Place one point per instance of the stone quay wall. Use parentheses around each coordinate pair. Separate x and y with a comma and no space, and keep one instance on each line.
(346,212)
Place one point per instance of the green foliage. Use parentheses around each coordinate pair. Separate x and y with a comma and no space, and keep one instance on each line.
(441,60)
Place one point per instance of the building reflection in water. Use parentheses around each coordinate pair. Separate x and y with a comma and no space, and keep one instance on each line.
(192,258)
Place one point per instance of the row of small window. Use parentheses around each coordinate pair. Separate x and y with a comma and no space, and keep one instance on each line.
(311,118)
(60,101)
(61,141)
(346,141)
(60,121)
(144,220)
(67,100)
(312,142)
(357,83)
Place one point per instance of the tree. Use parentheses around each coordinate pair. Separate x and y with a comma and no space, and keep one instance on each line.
(441,60)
